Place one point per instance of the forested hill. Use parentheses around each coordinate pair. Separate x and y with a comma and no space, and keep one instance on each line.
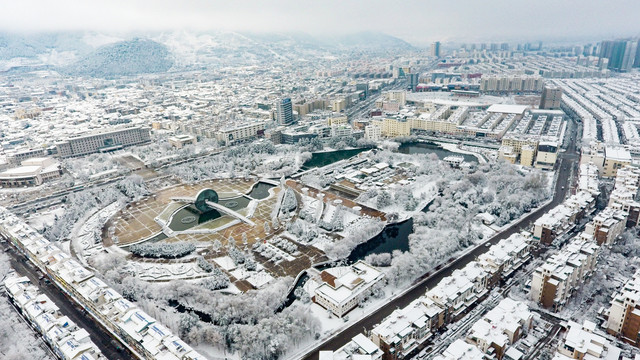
(137,56)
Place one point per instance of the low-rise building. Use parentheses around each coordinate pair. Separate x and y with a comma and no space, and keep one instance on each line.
(401,333)
(343,288)
(33,172)
(405,329)
(68,341)
(122,317)
(359,348)
(180,141)
(337,120)
(461,350)
(501,327)
(16,157)
(506,256)
(584,342)
(456,293)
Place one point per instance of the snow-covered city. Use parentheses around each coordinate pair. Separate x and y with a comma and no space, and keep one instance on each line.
(226,181)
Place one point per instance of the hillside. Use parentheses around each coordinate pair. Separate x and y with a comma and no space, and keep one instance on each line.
(124,58)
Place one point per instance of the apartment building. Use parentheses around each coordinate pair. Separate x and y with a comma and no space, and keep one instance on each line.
(392,127)
(623,196)
(396,95)
(400,333)
(372,132)
(615,157)
(405,329)
(554,282)
(607,225)
(563,217)
(501,327)
(588,179)
(623,316)
(103,141)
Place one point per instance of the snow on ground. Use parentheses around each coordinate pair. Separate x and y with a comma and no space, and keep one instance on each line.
(165,271)
(331,324)
(83,237)
(328,213)
(454,148)
(260,279)
(225,262)
(422,189)
(214,353)
(487,231)
(322,242)
(45,218)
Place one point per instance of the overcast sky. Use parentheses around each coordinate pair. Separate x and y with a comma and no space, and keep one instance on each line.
(418,22)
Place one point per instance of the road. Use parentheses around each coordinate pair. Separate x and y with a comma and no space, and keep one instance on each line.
(100,336)
(567,164)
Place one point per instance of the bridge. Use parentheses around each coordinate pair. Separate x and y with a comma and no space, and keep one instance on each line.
(206,200)
(226,210)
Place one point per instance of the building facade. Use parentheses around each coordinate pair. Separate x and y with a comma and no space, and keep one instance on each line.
(103,141)
(284,112)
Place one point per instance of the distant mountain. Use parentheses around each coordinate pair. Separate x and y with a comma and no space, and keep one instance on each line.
(361,40)
(103,55)
(124,58)
(369,40)
(34,45)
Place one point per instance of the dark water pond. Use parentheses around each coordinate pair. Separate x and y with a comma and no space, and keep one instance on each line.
(431,148)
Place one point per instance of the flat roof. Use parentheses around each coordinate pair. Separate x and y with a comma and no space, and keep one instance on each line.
(508,109)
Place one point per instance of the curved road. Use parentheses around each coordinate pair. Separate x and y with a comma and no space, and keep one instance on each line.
(566,165)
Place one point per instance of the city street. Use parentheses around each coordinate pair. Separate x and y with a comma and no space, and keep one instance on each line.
(100,336)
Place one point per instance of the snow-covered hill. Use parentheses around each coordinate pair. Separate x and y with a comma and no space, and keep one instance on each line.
(123,58)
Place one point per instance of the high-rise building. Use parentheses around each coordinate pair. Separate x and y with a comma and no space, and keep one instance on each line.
(285,112)
(363,87)
(413,81)
(551,97)
(435,49)
(620,53)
